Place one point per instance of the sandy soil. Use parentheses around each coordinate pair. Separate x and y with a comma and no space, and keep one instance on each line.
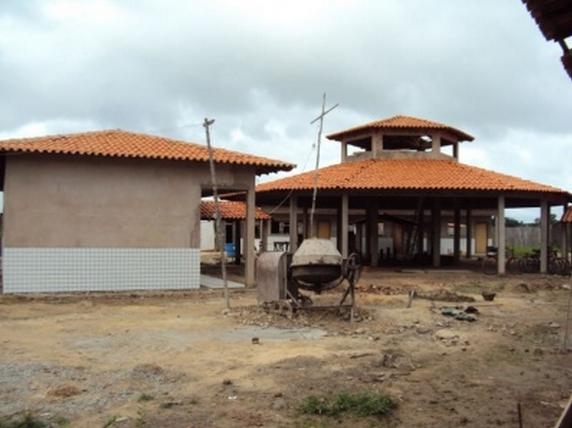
(181,360)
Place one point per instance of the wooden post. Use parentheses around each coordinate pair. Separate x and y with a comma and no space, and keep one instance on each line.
(436,241)
(344,224)
(457,234)
(456,150)
(249,249)
(372,234)
(469,229)
(220,240)
(544,219)
(293,223)
(501,255)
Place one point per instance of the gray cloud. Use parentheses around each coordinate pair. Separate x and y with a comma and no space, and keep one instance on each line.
(260,68)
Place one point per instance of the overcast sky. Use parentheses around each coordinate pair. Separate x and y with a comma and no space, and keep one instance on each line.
(260,67)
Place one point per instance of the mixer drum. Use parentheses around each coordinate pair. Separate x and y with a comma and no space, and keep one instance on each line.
(316,264)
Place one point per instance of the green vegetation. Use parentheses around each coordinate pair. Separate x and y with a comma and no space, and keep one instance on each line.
(26,421)
(145,397)
(362,404)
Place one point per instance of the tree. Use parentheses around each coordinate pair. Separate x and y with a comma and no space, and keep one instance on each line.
(512,222)
(553,220)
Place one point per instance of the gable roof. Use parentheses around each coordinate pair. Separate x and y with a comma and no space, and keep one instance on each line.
(229,211)
(401,123)
(405,174)
(123,144)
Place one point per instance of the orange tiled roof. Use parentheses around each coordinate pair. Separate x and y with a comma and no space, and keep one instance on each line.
(567,216)
(123,144)
(405,174)
(401,123)
(229,211)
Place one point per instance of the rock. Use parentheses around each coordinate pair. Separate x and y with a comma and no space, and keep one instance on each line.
(446,334)
(279,404)
(227,382)
(554,325)
(423,330)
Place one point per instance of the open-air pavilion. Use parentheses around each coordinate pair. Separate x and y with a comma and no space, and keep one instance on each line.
(405,171)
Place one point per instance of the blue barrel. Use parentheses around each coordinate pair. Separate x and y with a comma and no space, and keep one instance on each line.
(229,249)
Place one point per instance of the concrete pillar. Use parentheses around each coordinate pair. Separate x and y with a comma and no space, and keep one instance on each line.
(305,223)
(344,154)
(500,223)
(344,225)
(249,250)
(436,232)
(469,238)
(421,231)
(264,232)
(372,235)
(237,235)
(544,218)
(457,234)
(376,143)
(568,228)
(293,223)
(436,143)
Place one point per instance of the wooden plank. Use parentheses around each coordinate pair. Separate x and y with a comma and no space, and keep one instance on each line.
(565,420)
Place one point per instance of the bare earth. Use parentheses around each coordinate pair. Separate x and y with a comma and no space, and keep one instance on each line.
(180,360)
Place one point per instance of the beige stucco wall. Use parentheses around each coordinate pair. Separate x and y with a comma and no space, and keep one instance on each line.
(65,201)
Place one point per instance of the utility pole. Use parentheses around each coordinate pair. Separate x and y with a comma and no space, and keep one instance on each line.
(219,232)
(316,173)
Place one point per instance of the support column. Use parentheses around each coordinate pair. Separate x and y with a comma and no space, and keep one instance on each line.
(501,241)
(544,216)
(568,239)
(344,225)
(435,144)
(372,235)
(249,250)
(436,229)
(456,150)
(457,234)
(293,223)
(344,154)
(376,143)
(264,235)
(469,238)
(305,223)
(421,231)
(237,234)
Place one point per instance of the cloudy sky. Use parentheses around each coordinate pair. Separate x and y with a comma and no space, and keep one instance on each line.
(260,67)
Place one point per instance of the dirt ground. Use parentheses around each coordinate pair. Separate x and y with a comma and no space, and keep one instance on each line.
(181,360)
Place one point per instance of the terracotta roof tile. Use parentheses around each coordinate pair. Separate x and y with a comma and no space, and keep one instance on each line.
(229,211)
(401,123)
(406,174)
(119,143)
(567,216)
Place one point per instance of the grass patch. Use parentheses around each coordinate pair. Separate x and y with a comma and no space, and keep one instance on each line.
(25,421)
(145,397)
(362,404)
